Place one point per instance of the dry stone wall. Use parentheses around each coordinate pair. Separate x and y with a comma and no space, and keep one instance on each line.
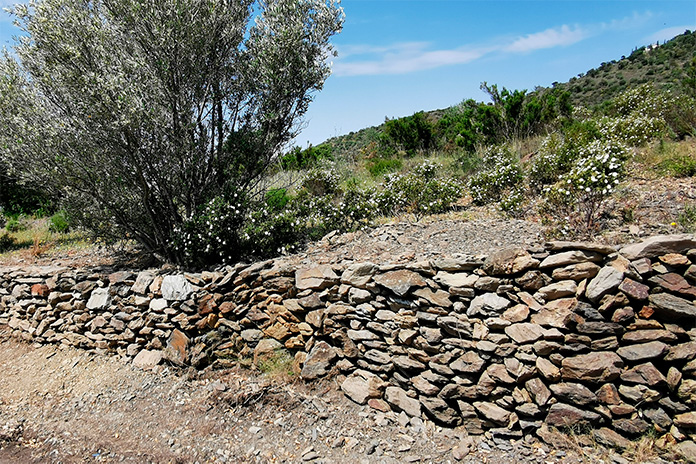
(563,334)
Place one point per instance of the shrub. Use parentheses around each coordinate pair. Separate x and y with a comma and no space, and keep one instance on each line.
(379,167)
(574,202)
(634,130)
(6,242)
(15,224)
(419,192)
(679,166)
(554,158)
(687,219)
(59,223)
(320,181)
(500,174)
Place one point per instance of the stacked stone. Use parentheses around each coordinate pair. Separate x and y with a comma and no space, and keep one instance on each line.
(561,335)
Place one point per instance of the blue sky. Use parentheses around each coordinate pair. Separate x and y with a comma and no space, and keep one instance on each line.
(397,57)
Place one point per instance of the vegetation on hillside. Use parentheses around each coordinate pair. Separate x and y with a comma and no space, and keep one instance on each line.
(553,153)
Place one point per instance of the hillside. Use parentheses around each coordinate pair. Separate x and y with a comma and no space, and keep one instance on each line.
(665,65)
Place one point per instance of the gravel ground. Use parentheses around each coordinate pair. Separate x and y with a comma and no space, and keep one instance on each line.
(62,405)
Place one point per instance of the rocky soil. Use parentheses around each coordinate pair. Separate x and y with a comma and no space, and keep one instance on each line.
(62,405)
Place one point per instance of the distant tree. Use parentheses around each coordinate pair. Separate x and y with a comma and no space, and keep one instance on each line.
(410,134)
(143,113)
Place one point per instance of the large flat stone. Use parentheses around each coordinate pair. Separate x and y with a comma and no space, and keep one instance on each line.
(659,245)
(398,398)
(598,367)
(401,281)
(669,306)
(609,278)
(175,287)
(315,278)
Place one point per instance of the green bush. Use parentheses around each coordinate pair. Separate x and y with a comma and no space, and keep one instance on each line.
(687,219)
(6,242)
(276,199)
(554,158)
(679,166)
(321,181)
(59,223)
(379,167)
(15,224)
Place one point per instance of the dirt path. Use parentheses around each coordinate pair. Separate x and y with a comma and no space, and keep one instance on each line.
(62,405)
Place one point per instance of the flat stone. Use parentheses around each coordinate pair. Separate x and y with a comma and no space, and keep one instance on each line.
(398,398)
(633,427)
(557,313)
(438,298)
(441,411)
(358,275)
(642,352)
(468,363)
(560,245)
(362,385)
(687,449)
(493,412)
(524,332)
(99,299)
(538,391)
(674,283)
(611,438)
(509,261)
(455,326)
(574,393)
(644,374)
(659,245)
(569,257)
(672,307)
(598,367)
(400,282)
(147,359)
(406,363)
(634,290)
(558,290)
(488,305)
(639,393)
(600,328)
(650,335)
(518,313)
(687,392)
(142,282)
(315,278)
(576,272)
(683,352)
(564,415)
(608,279)
(359,295)
(175,287)
(548,369)
(177,348)
(319,361)
(458,279)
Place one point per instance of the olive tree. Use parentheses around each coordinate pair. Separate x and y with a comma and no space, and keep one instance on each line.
(141,114)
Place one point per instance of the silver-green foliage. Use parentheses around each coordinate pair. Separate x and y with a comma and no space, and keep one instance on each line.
(140,113)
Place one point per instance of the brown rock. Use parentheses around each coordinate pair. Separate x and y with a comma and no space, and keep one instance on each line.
(441,411)
(599,367)
(634,289)
(469,363)
(564,415)
(659,245)
(518,313)
(538,390)
(557,313)
(400,282)
(675,259)
(548,369)
(319,361)
(556,290)
(686,420)
(674,283)
(633,427)
(361,385)
(509,261)
(642,352)
(683,352)
(576,272)
(608,394)
(524,332)
(177,348)
(437,298)
(493,412)
(147,359)
(574,393)
(316,278)
(612,439)
(672,307)
(569,257)
(644,374)
(398,398)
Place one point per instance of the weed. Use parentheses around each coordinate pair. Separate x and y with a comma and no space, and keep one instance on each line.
(379,167)
(6,242)
(679,166)
(59,223)
(277,365)
(687,219)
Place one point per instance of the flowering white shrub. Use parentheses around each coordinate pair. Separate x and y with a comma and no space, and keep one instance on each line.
(419,192)
(501,173)
(321,181)
(645,100)
(634,130)
(575,201)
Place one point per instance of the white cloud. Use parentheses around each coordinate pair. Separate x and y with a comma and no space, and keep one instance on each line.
(669,33)
(556,37)
(400,58)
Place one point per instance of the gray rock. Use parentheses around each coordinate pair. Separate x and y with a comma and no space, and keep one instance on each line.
(358,275)
(659,245)
(493,412)
(315,278)
(487,305)
(574,393)
(319,361)
(147,359)
(642,352)
(400,282)
(524,332)
(609,278)
(509,261)
(569,257)
(669,306)
(564,415)
(142,282)
(557,290)
(361,385)
(176,287)
(398,398)
(99,299)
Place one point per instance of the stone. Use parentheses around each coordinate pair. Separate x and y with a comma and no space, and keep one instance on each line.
(265,349)
(99,299)
(315,278)
(633,427)
(642,352)
(400,282)
(406,363)
(612,439)
(488,305)
(40,290)
(643,336)
(607,279)
(600,328)
(158,304)
(538,391)
(441,411)
(597,367)
(147,359)
(556,313)
(524,332)
(556,290)
(358,275)
(437,298)
(674,283)
(423,386)
(548,370)
(659,245)
(574,393)
(569,257)
(672,307)
(683,352)
(518,313)
(608,394)
(175,287)
(686,420)
(564,415)
(493,412)
(639,393)
(687,392)
(509,261)
(499,373)
(687,449)
(362,385)
(177,348)
(456,280)
(634,290)
(319,361)
(468,363)
(142,282)
(455,326)
(576,272)
(362,335)
(358,296)
(644,374)
(398,399)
